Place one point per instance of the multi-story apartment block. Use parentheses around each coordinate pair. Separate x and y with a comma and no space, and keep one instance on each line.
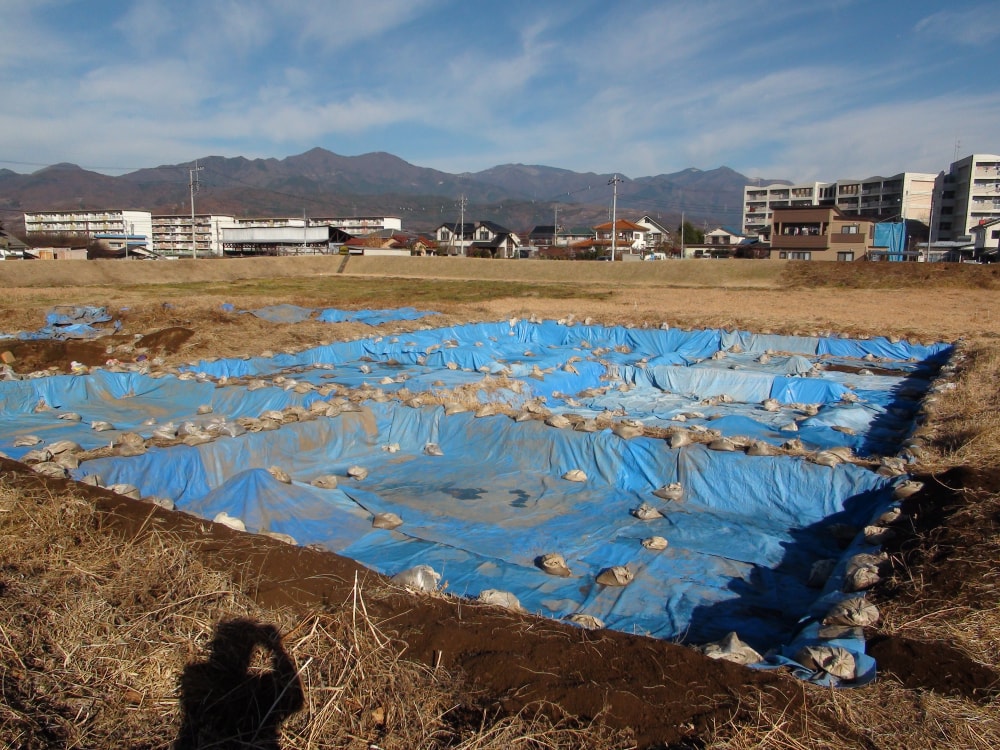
(907,195)
(358,226)
(759,202)
(88,224)
(173,236)
(966,196)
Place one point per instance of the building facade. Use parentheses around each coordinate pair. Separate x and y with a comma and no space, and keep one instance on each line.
(820,233)
(965,196)
(477,238)
(88,224)
(173,236)
(907,195)
(358,226)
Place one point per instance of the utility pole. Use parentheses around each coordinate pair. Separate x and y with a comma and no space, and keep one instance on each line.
(614,214)
(555,226)
(194,185)
(682,234)
(461,229)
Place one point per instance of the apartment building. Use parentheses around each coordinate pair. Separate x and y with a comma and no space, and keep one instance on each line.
(174,236)
(907,195)
(968,195)
(88,224)
(358,226)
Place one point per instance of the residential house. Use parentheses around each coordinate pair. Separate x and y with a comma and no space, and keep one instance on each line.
(721,242)
(820,233)
(11,248)
(658,237)
(625,237)
(986,239)
(480,238)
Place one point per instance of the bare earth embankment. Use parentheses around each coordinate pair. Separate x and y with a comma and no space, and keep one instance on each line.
(105,603)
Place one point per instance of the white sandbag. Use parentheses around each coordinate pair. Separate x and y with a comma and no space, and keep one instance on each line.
(418,578)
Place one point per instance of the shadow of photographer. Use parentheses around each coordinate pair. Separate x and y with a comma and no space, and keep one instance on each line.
(225,704)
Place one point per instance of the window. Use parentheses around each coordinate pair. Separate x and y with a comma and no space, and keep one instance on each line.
(848,255)
(782,255)
(800,256)
(849,229)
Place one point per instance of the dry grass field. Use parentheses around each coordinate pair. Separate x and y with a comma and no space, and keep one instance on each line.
(106,603)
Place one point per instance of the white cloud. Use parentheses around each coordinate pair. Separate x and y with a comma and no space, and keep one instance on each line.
(978,26)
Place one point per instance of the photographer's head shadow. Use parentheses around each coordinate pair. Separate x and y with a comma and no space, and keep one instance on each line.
(225,704)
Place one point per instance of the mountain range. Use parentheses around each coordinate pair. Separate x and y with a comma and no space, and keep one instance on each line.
(321,183)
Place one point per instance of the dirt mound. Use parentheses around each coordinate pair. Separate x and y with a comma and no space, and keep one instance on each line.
(32,355)
(937,667)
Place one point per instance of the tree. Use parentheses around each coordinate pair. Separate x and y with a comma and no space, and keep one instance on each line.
(692,235)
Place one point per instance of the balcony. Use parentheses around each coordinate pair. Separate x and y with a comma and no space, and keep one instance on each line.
(800,241)
(844,238)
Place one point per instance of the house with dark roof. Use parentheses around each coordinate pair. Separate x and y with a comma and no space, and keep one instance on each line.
(986,240)
(485,239)
(658,236)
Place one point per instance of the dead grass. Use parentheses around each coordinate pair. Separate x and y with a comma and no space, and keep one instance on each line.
(95,631)
(885,716)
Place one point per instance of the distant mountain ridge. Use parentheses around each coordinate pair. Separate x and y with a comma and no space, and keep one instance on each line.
(321,183)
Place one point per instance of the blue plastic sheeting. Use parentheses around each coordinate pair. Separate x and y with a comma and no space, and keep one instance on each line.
(128,401)
(283,313)
(741,542)
(371,317)
(881,347)
(64,316)
(667,373)
(892,236)
(296,314)
(69,322)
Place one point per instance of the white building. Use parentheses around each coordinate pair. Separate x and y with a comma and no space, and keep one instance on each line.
(172,235)
(907,195)
(90,223)
(967,195)
(357,226)
(657,234)
(287,239)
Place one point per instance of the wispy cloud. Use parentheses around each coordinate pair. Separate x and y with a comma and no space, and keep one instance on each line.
(642,87)
(978,26)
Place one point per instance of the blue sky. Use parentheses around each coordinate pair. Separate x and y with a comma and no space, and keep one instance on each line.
(817,90)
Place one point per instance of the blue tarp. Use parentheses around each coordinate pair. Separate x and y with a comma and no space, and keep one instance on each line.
(69,322)
(297,314)
(741,543)
(891,236)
